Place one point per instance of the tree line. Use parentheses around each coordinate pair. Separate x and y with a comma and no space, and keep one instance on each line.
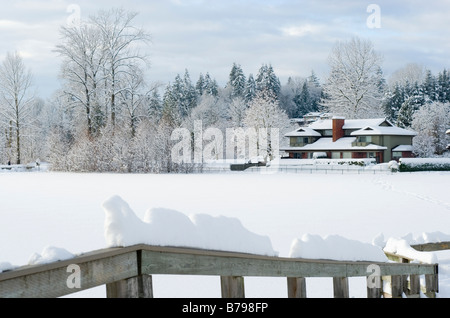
(108,117)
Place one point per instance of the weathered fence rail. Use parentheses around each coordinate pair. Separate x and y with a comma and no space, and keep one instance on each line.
(127,273)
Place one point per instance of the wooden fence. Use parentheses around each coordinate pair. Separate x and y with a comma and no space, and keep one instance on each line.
(127,273)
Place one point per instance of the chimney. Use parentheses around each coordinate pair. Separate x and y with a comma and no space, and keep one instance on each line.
(338,128)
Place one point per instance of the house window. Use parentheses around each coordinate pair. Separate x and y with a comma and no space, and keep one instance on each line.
(397,154)
(347,155)
(328,133)
(366,139)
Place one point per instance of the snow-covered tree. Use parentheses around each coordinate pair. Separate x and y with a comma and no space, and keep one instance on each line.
(237,111)
(250,89)
(352,88)
(17,101)
(120,45)
(431,122)
(133,96)
(265,116)
(268,81)
(82,71)
(237,81)
(414,99)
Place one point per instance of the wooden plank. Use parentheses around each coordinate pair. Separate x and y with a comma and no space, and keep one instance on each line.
(232,287)
(340,287)
(194,262)
(55,280)
(432,247)
(296,287)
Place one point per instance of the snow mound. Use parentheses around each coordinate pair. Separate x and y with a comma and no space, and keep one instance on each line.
(165,227)
(402,247)
(334,247)
(50,254)
(424,238)
(6,266)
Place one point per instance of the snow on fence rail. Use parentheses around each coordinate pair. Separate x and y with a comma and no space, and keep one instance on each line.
(127,272)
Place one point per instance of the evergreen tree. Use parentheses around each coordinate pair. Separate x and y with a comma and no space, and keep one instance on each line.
(250,89)
(314,80)
(189,94)
(429,86)
(200,86)
(443,87)
(393,102)
(211,87)
(268,81)
(237,81)
(155,106)
(406,112)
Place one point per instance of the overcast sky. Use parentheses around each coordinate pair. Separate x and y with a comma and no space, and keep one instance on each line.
(295,36)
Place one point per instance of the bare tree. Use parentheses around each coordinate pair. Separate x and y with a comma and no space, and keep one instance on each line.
(82,51)
(120,41)
(353,87)
(16,99)
(133,96)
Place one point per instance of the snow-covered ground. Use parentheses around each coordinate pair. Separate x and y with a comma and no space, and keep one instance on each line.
(66,212)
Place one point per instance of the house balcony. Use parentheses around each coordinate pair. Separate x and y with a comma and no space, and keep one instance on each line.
(361,144)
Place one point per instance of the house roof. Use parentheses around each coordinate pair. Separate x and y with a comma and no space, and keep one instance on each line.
(304,132)
(404,148)
(342,144)
(383,130)
(349,123)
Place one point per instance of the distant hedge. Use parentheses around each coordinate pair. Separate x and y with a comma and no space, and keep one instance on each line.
(424,164)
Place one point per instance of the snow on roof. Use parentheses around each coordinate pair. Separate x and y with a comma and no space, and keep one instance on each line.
(304,132)
(327,144)
(383,130)
(349,123)
(403,148)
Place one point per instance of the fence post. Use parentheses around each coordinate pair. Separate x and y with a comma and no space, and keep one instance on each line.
(396,286)
(414,285)
(431,285)
(340,287)
(136,287)
(376,288)
(232,286)
(296,287)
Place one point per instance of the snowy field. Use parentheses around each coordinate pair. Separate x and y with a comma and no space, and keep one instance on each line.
(41,209)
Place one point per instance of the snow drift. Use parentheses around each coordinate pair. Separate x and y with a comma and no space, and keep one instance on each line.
(165,227)
(50,254)
(402,247)
(335,247)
